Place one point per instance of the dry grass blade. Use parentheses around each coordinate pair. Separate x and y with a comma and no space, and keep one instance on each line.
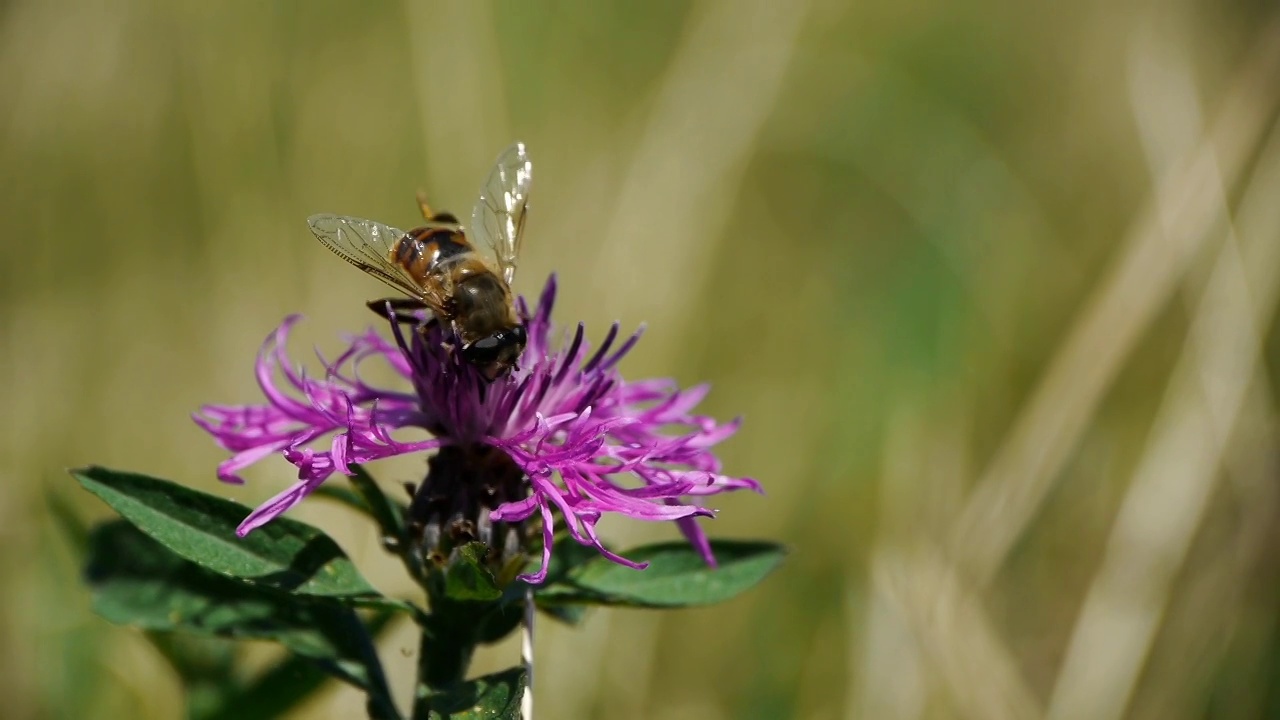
(1219,612)
(719,89)
(1150,264)
(1172,484)
(887,678)
(687,163)
(460,89)
(927,633)
(957,639)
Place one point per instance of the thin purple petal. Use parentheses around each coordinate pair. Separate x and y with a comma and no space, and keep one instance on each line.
(589,442)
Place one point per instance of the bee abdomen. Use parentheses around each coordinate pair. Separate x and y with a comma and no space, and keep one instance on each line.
(421,252)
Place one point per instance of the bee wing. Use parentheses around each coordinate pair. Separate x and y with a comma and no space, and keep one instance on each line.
(367,245)
(497,222)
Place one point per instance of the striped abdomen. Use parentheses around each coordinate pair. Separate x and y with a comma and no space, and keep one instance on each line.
(426,252)
(458,285)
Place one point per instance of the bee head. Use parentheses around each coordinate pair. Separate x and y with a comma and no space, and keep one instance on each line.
(495,355)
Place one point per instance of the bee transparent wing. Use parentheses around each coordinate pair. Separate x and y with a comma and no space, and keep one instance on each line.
(497,222)
(367,245)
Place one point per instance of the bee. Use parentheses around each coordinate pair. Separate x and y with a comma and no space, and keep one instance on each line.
(464,282)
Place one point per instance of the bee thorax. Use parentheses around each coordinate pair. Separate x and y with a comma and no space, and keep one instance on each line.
(483,307)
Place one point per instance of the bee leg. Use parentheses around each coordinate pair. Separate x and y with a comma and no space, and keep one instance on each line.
(401,310)
(424,328)
(451,340)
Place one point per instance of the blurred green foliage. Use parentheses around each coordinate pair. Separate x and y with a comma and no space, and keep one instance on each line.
(877,228)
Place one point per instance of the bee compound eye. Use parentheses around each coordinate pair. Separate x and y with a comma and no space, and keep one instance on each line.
(484,350)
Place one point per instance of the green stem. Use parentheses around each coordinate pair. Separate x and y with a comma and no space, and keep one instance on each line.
(443,658)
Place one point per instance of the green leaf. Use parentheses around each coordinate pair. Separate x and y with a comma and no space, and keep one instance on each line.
(137,581)
(196,658)
(277,690)
(206,666)
(569,613)
(283,554)
(341,495)
(492,697)
(388,513)
(566,554)
(270,695)
(468,578)
(677,576)
(390,516)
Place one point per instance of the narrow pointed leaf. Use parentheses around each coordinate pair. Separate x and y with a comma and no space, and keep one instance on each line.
(341,495)
(279,689)
(677,576)
(388,513)
(566,555)
(196,658)
(390,516)
(137,581)
(569,613)
(467,577)
(283,554)
(492,697)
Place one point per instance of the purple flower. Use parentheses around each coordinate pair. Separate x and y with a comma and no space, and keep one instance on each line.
(562,432)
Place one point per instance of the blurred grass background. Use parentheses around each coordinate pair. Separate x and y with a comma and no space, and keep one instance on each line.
(994,284)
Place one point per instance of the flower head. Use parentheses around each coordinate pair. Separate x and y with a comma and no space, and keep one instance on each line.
(563,432)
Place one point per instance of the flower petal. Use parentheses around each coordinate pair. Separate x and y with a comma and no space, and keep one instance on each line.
(548,537)
(587,441)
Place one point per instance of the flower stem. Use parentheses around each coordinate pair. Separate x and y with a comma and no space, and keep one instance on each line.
(443,658)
